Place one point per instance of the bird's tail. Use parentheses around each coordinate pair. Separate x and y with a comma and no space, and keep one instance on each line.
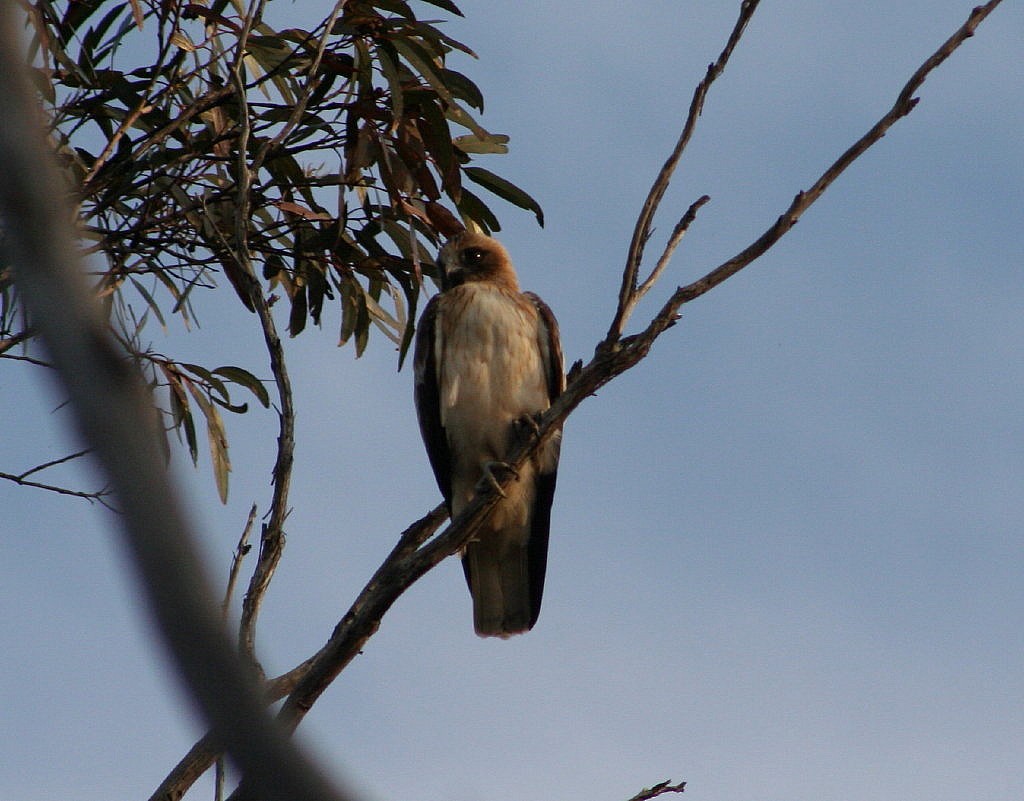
(499,580)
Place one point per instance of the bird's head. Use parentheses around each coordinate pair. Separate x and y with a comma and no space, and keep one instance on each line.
(470,256)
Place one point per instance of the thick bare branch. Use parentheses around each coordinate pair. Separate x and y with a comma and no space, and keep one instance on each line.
(351,633)
(205,752)
(609,362)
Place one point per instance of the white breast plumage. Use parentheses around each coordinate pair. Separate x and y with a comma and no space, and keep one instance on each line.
(490,372)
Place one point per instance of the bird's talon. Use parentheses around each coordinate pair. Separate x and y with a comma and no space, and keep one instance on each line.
(490,478)
(527,426)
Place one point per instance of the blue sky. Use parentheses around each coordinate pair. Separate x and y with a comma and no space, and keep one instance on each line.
(786,549)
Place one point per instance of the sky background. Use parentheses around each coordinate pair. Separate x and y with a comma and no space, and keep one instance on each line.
(786,559)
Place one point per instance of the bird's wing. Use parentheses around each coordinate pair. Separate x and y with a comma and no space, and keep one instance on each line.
(549,342)
(428,405)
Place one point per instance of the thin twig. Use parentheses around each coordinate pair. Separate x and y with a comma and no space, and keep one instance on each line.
(16,339)
(55,462)
(904,104)
(29,359)
(241,551)
(99,496)
(670,247)
(645,220)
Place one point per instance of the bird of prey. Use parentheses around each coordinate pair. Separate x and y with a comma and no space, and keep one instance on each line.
(488,359)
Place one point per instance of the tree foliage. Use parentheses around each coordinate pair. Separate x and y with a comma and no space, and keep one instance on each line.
(314,166)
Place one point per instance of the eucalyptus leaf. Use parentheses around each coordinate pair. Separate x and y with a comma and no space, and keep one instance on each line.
(505,190)
(244,378)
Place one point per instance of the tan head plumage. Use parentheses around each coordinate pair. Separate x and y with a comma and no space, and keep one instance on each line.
(470,256)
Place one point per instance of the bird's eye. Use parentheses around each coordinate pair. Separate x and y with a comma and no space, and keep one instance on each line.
(472,256)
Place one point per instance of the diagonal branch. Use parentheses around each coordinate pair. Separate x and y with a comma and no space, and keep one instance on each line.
(23,480)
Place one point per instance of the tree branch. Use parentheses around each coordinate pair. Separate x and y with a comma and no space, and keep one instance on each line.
(272,538)
(628,294)
(98,496)
(16,339)
(22,479)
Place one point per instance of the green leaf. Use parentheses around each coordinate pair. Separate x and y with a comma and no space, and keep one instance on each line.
(76,16)
(437,138)
(239,408)
(428,31)
(299,311)
(362,326)
(412,294)
(463,88)
(350,292)
(505,190)
(244,378)
(424,64)
(471,143)
(207,377)
(181,414)
(218,452)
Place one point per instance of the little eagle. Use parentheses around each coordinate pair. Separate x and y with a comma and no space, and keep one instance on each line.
(487,358)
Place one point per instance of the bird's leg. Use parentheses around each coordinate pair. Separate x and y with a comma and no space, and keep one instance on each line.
(489,477)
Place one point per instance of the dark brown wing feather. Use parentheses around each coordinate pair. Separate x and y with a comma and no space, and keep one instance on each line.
(428,405)
(549,341)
